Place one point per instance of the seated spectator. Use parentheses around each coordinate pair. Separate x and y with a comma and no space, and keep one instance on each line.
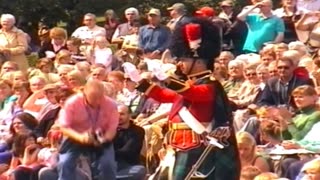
(273,70)
(98,73)
(8,66)
(130,51)
(267,56)
(63,57)
(247,152)
(117,79)
(35,102)
(19,76)
(249,90)
(73,45)
(311,170)
(44,69)
(57,42)
(263,75)
(279,49)
(220,72)
(6,98)
(76,80)
(48,117)
(132,96)
(235,71)
(84,68)
(249,173)
(22,91)
(277,91)
(127,144)
(100,53)
(296,128)
(62,73)
(225,57)
(24,162)
(23,123)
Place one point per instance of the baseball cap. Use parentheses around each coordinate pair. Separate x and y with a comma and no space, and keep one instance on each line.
(177,6)
(206,11)
(154,11)
(227,3)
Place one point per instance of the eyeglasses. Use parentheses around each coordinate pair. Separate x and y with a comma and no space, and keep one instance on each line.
(283,67)
(88,20)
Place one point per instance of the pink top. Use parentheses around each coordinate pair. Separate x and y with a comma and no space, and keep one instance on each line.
(81,117)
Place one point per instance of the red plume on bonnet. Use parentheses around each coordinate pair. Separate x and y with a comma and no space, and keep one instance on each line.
(193,34)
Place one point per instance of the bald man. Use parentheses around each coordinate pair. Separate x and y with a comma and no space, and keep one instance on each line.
(89,121)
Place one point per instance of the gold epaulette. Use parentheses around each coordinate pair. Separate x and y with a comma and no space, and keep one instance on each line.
(177,85)
(200,75)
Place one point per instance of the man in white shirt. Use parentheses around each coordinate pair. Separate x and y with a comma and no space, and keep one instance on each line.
(90,30)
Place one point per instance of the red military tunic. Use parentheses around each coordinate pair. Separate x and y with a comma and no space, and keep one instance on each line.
(199,100)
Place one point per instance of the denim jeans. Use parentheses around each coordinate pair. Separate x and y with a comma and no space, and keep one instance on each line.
(70,152)
(136,172)
(52,174)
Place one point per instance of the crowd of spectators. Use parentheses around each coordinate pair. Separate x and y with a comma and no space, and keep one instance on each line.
(81,85)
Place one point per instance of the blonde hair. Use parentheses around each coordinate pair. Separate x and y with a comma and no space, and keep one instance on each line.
(246,138)
(21,74)
(313,165)
(266,176)
(249,172)
(58,32)
(78,76)
(61,55)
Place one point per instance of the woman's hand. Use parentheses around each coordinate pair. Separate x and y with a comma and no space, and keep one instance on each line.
(30,154)
(290,145)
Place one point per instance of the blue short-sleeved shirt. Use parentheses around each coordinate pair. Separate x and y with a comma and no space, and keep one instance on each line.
(262,30)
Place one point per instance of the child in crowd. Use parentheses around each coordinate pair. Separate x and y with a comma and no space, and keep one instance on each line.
(101,53)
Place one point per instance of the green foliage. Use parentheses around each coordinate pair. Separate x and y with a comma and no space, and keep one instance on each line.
(71,11)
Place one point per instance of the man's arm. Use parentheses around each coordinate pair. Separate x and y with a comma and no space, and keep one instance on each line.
(279,38)
(302,25)
(243,15)
(280,28)
(167,36)
(141,44)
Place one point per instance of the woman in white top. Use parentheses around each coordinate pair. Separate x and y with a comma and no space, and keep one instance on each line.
(100,53)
